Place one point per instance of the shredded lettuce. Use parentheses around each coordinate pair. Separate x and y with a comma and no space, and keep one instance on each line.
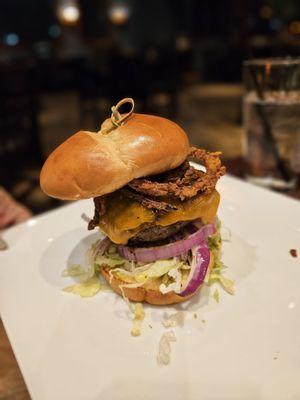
(88,276)
(82,273)
(122,274)
(215,243)
(85,289)
(136,274)
(174,286)
(109,261)
(157,269)
(112,258)
(216,295)
(74,270)
(133,272)
(139,315)
(228,285)
(218,267)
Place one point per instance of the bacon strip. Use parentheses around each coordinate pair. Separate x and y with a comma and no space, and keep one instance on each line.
(149,202)
(100,210)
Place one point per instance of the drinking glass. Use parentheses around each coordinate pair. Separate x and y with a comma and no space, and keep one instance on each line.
(271,112)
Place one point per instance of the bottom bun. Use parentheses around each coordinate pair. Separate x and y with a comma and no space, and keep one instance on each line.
(149,294)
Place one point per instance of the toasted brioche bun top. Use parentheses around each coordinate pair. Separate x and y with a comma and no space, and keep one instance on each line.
(91,164)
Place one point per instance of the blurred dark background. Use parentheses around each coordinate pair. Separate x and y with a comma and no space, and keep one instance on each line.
(64,63)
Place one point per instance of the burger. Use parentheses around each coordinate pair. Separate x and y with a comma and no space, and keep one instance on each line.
(156,209)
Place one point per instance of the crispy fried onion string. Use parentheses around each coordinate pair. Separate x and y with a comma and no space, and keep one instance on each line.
(185,181)
(181,183)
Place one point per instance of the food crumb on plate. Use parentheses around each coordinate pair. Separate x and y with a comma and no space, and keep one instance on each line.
(276,355)
(195,316)
(139,315)
(225,234)
(203,321)
(293,253)
(164,350)
(172,320)
(150,326)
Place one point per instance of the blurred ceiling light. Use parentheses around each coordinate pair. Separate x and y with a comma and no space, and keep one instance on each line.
(11,39)
(266,12)
(68,12)
(182,43)
(119,13)
(294,27)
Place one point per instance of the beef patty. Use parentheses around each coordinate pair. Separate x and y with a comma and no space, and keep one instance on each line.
(156,233)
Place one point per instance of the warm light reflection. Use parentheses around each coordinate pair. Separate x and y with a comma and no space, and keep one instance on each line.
(294,28)
(266,12)
(119,14)
(68,12)
(291,305)
(31,222)
(182,43)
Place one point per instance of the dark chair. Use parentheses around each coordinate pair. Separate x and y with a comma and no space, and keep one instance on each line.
(93,85)
(20,146)
(162,77)
(128,77)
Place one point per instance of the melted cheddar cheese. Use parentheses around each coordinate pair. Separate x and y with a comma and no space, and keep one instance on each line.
(125,217)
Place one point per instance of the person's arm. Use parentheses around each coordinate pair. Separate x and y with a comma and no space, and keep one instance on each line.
(11,212)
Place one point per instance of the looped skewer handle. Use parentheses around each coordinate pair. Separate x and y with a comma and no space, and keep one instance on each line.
(116,118)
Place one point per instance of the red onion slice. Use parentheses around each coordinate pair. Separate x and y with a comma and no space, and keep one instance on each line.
(175,249)
(102,246)
(201,260)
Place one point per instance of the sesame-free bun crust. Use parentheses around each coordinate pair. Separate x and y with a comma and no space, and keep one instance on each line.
(149,294)
(91,164)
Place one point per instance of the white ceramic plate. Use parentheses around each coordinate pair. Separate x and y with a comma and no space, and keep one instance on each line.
(245,347)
